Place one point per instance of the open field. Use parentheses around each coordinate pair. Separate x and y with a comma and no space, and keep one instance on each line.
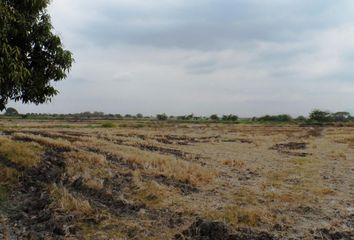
(160,180)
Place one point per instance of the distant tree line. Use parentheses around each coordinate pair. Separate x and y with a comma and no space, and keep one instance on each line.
(316,116)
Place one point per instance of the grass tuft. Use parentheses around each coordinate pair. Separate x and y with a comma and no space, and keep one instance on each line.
(22,154)
(108,125)
(65,201)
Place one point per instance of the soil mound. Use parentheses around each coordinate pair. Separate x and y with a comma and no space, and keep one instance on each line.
(213,230)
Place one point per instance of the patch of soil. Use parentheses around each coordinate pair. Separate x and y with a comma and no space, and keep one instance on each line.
(166,141)
(29,139)
(53,135)
(247,175)
(101,199)
(162,150)
(333,234)
(288,148)
(115,160)
(74,134)
(175,139)
(184,140)
(248,234)
(115,141)
(10,164)
(314,132)
(213,230)
(32,217)
(185,187)
(118,182)
(4,231)
(241,140)
(168,151)
(296,154)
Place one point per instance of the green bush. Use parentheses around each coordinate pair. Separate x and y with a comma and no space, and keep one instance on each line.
(231,118)
(320,116)
(108,125)
(214,117)
(275,118)
(161,117)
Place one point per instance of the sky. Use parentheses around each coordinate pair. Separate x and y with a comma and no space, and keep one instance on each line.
(245,57)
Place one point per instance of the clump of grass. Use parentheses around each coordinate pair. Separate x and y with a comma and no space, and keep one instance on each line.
(50,142)
(272,196)
(22,154)
(91,167)
(3,196)
(301,161)
(108,125)
(247,216)
(65,201)
(234,163)
(8,175)
(150,193)
(325,191)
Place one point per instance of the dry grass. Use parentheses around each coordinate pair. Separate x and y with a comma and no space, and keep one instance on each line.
(234,163)
(91,167)
(243,183)
(45,141)
(22,154)
(154,163)
(242,216)
(65,201)
(152,194)
(8,175)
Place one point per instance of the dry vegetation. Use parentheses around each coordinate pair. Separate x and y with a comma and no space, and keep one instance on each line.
(152,180)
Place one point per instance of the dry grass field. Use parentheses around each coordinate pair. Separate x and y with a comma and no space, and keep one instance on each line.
(161,180)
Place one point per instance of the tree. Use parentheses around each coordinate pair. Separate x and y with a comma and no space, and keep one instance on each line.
(31,55)
(300,119)
(11,112)
(231,117)
(341,116)
(320,116)
(214,117)
(275,118)
(161,117)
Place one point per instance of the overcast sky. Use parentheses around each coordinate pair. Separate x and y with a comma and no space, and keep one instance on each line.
(247,57)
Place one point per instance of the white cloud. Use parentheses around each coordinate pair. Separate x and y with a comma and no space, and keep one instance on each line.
(245,57)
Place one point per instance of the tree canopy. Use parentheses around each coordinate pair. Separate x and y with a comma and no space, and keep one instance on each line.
(11,112)
(31,55)
(320,116)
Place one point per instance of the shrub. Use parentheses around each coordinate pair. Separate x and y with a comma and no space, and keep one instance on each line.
(275,118)
(320,116)
(341,116)
(108,125)
(300,119)
(231,117)
(161,117)
(214,117)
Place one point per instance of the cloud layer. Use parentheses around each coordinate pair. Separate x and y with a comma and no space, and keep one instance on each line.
(248,57)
